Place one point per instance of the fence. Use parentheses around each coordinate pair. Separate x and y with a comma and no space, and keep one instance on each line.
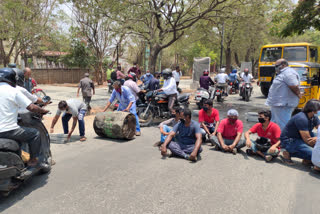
(58,75)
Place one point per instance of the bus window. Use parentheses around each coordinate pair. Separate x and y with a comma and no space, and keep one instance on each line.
(271,54)
(313,54)
(298,53)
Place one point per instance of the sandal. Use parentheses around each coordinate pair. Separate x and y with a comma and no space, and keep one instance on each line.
(286,161)
(249,152)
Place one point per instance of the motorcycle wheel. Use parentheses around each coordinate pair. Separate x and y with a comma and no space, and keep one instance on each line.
(145,120)
(247,96)
(40,94)
(219,98)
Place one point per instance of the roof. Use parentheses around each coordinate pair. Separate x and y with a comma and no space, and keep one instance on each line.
(288,44)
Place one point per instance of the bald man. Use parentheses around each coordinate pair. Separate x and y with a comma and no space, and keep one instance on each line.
(284,93)
(27,79)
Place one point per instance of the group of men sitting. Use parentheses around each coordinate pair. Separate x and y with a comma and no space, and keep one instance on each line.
(181,136)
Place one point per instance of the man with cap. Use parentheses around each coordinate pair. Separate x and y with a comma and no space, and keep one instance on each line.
(229,133)
(87,87)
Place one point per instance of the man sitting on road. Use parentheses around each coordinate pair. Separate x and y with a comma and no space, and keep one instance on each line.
(245,78)
(72,108)
(169,88)
(205,81)
(188,138)
(229,133)
(297,137)
(166,126)
(127,102)
(265,129)
(146,78)
(222,80)
(12,100)
(209,120)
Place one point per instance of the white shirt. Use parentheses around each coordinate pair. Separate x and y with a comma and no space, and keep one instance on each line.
(176,75)
(222,78)
(33,98)
(246,78)
(170,86)
(11,100)
(316,151)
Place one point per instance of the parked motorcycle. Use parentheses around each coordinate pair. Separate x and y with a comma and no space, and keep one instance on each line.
(246,91)
(13,167)
(37,91)
(202,95)
(156,106)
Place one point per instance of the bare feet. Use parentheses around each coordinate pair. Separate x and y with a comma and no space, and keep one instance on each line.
(83,139)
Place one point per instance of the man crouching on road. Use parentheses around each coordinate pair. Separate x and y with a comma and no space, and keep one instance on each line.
(229,133)
(73,108)
(189,138)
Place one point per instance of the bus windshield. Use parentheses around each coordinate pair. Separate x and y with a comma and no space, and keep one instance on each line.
(271,54)
(298,53)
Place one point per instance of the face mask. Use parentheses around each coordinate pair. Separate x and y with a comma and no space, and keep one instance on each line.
(231,120)
(205,108)
(182,121)
(277,69)
(134,66)
(261,120)
(148,74)
(173,115)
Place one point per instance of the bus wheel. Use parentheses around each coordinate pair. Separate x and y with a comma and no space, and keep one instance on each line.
(264,90)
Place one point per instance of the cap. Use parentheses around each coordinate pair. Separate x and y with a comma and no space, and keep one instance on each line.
(233,112)
(86,74)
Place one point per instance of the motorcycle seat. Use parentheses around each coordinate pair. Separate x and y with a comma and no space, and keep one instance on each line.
(182,97)
(202,89)
(9,145)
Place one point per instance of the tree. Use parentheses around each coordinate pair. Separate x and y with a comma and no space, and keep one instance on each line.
(22,23)
(160,23)
(304,17)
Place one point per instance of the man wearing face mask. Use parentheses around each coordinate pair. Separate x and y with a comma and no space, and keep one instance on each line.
(146,78)
(188,138)
(209,120)
(297,138)
(267,129)
(284,93)
(229,133)
(127,102)
(72,108)
(166,126)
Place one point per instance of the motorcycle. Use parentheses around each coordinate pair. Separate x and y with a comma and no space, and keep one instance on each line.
(156,106)
(219,93)
(37,91)
(13,167)
(110,86)
(232,88)
(202,95)
(246,91)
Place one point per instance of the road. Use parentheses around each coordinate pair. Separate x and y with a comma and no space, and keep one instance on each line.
(110,176)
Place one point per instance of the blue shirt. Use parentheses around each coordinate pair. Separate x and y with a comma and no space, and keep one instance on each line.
(124,98)
(232,77)
(153,84)
(146,78)
(299,122)
(187,135)
(28,84)
(280,94)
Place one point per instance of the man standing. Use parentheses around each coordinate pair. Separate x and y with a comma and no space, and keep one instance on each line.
(266,129)
(188,138)
(229,133)
(87,88)
(284,93)
(169,88)
(127,102)
(108,73)
(72,108)
(130,83)
(177,74)
(146,78)
(12,100)
(209,119)
(135,69)
(27,79)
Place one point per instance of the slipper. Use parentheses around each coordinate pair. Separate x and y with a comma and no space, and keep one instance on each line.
(286,161)
(313,169)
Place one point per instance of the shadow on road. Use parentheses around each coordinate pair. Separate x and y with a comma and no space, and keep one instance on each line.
(112,139)
(24,190)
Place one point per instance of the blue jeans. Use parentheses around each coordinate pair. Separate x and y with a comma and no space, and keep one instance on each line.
(182,150)
(228,142)
(203,132)
(297,148)
(67,117)
(254,149)
(281,115)
(133,110)
(166,129)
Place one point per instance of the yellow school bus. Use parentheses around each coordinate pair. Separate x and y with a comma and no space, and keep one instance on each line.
(304,53)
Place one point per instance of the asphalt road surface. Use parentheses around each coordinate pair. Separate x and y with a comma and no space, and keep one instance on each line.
(109,176)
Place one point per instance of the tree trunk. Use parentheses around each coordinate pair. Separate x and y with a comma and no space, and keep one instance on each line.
(247,57)
(228,59)
(154,52)
(236,59)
